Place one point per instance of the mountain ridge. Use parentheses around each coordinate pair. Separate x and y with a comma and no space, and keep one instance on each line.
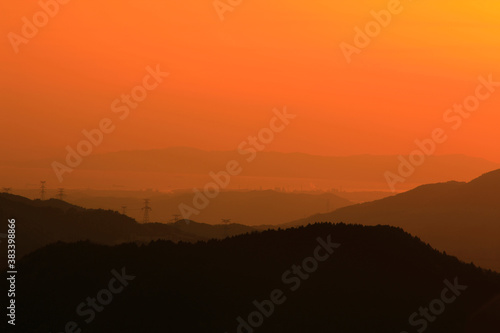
(452,216)
(378,276)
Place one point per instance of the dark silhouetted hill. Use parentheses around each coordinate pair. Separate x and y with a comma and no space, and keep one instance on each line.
(207,231)
(460,218)
(39,223)
(373,282)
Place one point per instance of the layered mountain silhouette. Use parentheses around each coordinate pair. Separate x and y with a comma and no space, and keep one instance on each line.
(461,218)
(39,223)
(251,208)
(369,279)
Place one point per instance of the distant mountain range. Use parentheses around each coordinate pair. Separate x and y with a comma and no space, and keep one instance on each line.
(188,167)
(365,279)
(461,218)
(251,208)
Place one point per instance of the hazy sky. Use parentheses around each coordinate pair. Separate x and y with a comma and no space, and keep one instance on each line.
(227,76)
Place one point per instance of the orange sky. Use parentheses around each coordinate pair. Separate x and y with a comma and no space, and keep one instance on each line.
(226,77)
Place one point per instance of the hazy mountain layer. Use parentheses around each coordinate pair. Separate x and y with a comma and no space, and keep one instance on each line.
(460,218)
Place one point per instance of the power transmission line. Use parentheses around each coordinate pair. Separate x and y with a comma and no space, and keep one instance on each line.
(42,190)
(60,193)
(146,210)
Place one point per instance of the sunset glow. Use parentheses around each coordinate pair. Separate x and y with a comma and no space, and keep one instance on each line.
(227,76)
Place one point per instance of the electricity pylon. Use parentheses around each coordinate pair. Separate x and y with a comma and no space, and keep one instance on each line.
(42,189)
(146,210)
(60,193)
